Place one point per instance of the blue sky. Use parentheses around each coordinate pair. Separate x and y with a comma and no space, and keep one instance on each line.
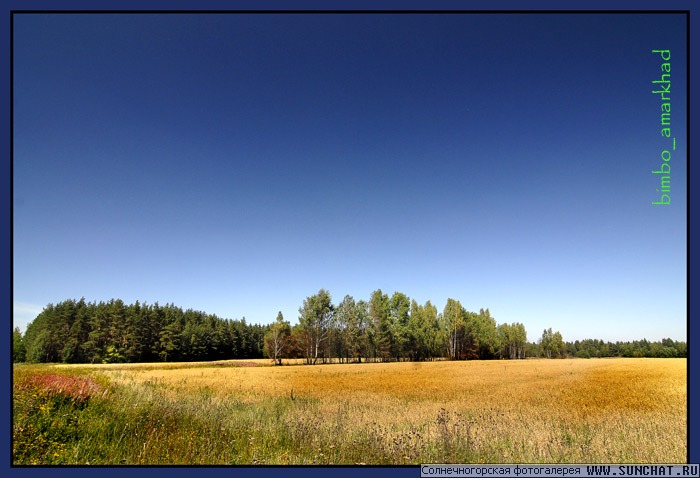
(237,164)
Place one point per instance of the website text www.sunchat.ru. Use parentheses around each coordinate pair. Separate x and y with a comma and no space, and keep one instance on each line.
(559,470)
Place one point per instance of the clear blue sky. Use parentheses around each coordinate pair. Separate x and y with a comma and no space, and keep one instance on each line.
(236,164)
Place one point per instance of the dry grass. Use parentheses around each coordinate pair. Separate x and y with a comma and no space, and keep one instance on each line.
(604,410)
(169,365)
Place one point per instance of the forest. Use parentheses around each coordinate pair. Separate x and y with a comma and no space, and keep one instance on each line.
(382,329)
(105,332)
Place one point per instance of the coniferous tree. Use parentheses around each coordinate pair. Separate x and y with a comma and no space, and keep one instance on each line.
(381,334)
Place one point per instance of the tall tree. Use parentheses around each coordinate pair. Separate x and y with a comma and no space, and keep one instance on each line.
(345,325)
(546,342)
(505,341)
(512,340)
(453,320)
(424,331)
(315,316)
(520,338)
(552,344)
(381,337)
(558,345)
(361,331)
(416,347)
(481,334)
(73,351)
(399,313)
(431,326)
(277,339)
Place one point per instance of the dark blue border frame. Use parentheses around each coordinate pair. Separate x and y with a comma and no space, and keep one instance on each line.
(579,6)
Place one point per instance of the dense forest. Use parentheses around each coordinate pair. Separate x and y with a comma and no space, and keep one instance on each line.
(384,328)
(80,332)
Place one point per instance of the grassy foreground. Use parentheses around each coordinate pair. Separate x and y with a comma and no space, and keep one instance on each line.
(547,411)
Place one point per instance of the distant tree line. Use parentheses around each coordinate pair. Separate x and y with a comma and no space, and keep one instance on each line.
(382,329)
(591,348)
(80,332)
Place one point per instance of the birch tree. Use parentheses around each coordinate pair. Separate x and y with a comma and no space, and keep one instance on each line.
(315,316)
(277,339)
(453,317)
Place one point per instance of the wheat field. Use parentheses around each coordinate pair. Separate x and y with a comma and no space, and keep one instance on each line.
(528,411)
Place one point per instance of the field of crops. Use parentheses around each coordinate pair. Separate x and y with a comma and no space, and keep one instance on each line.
(248,412)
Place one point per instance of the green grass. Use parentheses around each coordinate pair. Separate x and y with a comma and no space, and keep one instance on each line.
(139,424)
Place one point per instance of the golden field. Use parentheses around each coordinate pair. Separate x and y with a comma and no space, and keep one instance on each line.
(523,411)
